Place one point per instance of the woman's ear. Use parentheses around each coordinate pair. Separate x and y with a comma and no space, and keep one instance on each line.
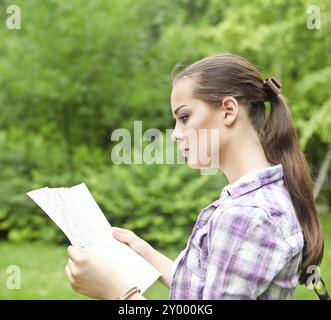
(230,109)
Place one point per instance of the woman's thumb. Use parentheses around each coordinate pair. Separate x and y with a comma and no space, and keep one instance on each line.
(120,235)
(117,233)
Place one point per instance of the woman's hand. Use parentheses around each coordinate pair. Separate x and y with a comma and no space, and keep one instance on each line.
(137,244)
(162,263)
(92,276)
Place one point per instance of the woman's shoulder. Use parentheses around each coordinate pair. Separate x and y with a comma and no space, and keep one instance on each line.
(271,202)
(252,222)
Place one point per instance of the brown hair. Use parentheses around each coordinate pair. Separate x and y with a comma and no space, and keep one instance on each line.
(229,75)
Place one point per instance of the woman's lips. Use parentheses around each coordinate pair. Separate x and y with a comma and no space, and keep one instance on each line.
(184,151)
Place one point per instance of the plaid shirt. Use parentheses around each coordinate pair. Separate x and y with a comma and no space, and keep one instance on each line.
(245,245)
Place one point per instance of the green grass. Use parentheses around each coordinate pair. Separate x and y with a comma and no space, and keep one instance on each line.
(43,277)
(42,273)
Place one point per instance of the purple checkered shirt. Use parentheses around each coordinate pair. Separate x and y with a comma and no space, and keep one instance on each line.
(245,245)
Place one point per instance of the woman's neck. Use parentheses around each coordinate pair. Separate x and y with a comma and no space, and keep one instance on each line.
(246,156)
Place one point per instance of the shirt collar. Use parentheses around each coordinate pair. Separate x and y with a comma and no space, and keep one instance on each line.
(254,180)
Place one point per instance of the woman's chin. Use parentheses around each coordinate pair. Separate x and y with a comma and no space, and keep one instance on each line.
(193,164)
(197,165)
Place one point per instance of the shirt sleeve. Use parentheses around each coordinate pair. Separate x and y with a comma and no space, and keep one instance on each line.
(246,251)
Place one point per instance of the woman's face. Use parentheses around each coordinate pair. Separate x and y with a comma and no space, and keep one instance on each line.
(199,129)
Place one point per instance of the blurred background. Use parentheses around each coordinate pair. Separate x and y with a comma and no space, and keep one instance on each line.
(77,70)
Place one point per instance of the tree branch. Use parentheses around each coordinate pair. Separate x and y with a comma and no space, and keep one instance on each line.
(322,172)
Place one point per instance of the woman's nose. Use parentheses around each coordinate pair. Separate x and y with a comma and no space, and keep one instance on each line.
(177,135)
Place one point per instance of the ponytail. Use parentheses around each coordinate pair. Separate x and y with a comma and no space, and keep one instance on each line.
(280,143)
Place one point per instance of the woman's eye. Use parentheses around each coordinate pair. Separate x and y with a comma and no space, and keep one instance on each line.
(184,118)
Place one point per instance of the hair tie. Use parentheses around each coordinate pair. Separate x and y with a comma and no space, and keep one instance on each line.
(272,86)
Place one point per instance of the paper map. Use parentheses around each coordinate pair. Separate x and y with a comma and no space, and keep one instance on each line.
(77,214)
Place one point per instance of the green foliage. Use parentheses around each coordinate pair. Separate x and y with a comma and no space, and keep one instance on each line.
(75,72)
(159,202)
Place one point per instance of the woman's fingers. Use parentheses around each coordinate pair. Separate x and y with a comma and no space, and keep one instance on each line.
(131,239)
(75,270)
(123,235)
(122,230)
(76,254)
(72,273)
(72,266)
(68,273)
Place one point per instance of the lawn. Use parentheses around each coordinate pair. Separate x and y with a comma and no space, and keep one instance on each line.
(42,268)
(43,277)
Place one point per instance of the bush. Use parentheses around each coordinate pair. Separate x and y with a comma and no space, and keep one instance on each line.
(158,202)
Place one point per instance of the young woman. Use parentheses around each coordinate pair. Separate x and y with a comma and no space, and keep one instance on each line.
(258,239)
